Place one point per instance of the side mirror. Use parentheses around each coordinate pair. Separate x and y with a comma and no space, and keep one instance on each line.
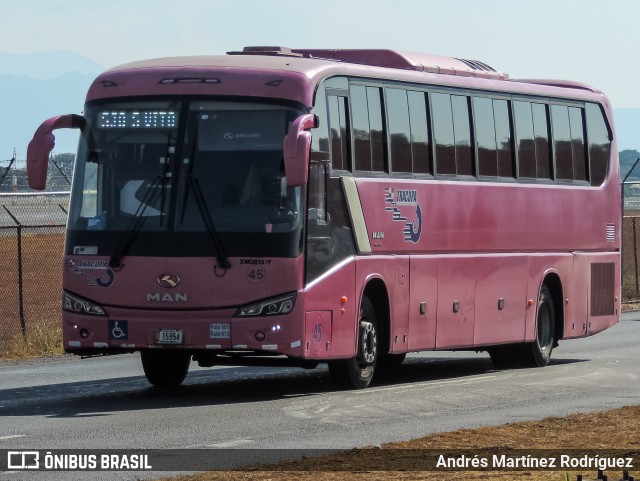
(42,144)
(297,144)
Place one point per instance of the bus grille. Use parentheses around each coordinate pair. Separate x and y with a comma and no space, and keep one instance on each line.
(602,289)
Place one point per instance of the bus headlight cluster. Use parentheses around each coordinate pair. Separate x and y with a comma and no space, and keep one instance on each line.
(269,307)
(80,305)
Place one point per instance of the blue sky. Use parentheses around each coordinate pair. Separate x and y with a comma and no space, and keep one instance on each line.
(590,41)
(586,40)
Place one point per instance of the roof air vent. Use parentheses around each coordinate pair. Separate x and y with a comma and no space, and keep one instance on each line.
(476,65)
(267,50)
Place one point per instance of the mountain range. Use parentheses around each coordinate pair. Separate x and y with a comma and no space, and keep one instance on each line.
(34,87)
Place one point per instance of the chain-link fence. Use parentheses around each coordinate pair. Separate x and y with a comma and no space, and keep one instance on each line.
(631,258)
(31,245)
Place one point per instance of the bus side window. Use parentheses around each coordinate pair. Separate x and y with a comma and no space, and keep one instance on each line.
(504,138)
(377,129)
(485,137)
(544,165)
(320,135)
(452,132)
(443,133)
(562,142)
(318,193)
(360,125)
(465,164)
(420,133)
(599,143)
(525,140)
(399,130)
(338,137)
(580,164)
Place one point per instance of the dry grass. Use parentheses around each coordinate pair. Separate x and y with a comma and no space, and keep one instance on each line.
(42,281)
(612,430)
(42,339)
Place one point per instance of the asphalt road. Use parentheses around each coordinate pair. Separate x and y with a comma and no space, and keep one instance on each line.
(106,403)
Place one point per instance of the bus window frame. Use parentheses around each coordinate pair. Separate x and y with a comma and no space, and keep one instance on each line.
(510,98)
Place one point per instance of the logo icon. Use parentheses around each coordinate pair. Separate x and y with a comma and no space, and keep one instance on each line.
(404,207)
(118,329)
(23,460)
(168,280)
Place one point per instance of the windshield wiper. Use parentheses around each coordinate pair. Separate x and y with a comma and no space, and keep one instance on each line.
(193,184)
(136,223)
(223,260)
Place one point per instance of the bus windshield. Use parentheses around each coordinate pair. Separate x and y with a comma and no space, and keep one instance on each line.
(181,169)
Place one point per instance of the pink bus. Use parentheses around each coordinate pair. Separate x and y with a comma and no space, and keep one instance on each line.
(277,206)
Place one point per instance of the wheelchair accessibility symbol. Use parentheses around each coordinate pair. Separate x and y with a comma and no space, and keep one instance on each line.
(118,330)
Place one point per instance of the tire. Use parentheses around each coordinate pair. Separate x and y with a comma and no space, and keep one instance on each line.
(531,354)
(165,368)
(538,352)
(357,372)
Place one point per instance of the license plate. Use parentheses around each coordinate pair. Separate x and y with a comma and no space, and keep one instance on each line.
(169,336)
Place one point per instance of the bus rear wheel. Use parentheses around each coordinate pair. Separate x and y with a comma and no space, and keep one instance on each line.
(165,368)
(538,352)
(531,354)
(357,372)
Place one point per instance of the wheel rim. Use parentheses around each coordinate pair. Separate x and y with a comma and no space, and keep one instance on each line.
(368,343)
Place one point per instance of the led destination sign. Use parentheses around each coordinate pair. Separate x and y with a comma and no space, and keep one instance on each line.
(137,120)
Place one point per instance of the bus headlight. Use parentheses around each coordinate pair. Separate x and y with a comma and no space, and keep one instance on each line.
(73,303)
(269,307)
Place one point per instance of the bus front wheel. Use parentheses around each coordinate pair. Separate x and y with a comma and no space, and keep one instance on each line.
(165,368)
(357,372)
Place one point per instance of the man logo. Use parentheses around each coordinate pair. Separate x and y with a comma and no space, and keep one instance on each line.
(168,280)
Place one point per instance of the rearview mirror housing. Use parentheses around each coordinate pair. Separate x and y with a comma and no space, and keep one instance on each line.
(43,143)
(297,146)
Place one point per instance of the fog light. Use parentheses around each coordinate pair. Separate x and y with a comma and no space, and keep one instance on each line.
(84,333)
(260,336)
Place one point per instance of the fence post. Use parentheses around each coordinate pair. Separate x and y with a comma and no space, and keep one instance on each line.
(23,325)
(635,256)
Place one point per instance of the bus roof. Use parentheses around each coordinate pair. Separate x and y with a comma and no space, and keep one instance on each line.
(293,74)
